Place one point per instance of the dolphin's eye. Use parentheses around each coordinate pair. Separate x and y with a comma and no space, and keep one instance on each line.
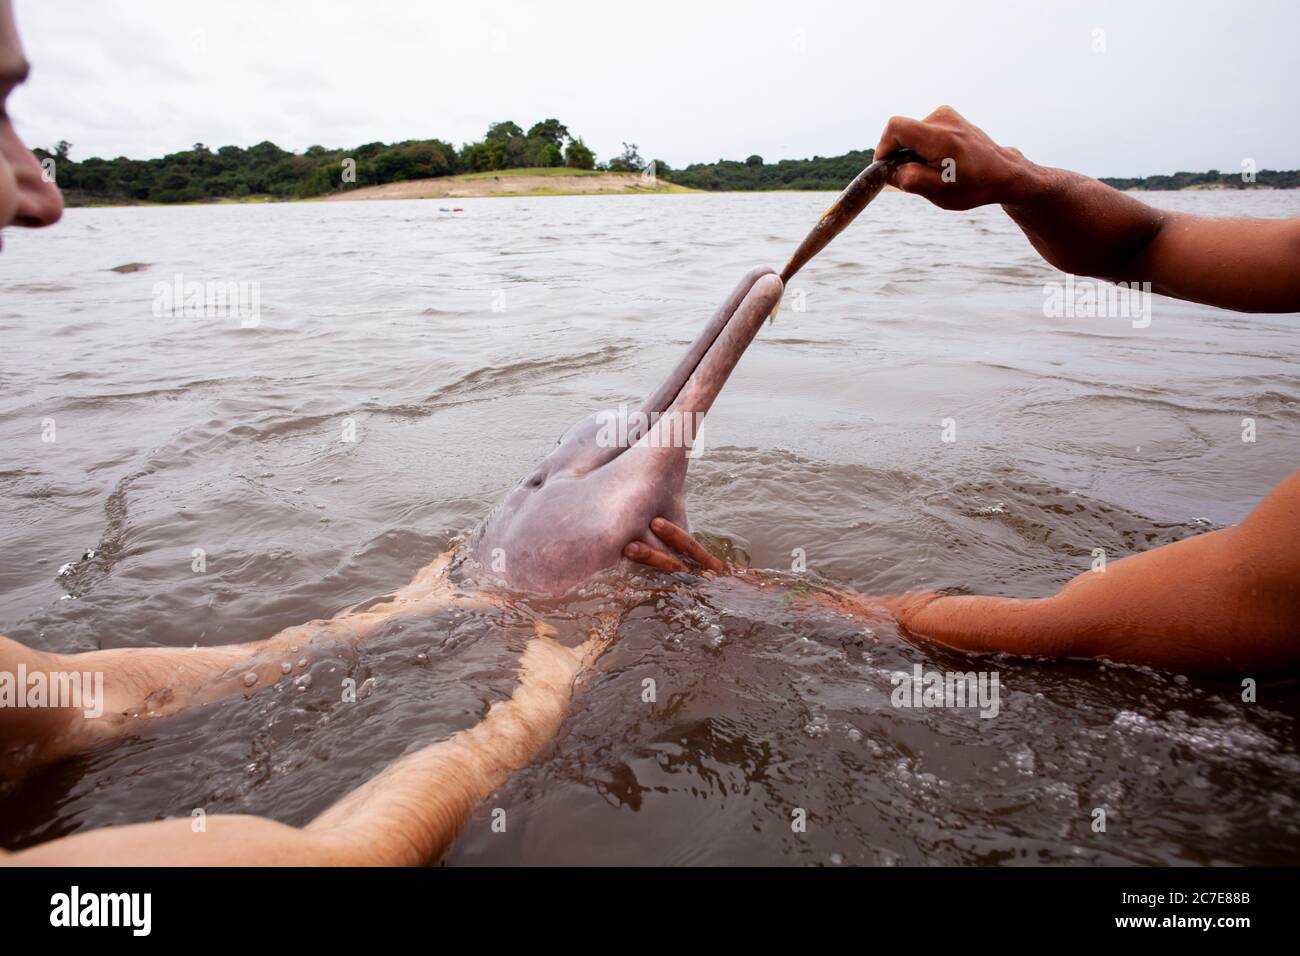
(535,481)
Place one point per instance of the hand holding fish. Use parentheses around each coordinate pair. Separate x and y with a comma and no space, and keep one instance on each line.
(1083,226)
(965,167)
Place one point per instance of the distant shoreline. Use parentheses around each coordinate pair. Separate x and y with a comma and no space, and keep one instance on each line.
(528,183)
(547,160)
(514,183)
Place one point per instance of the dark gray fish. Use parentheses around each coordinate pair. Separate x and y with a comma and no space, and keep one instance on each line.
(864,188)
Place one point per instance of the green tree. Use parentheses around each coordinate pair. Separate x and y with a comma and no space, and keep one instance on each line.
(551,131)
(629,162)
(503,131)
(578,156)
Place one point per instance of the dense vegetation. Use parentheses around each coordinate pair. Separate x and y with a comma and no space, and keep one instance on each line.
(232,172)
(820,172)
(1278,179)
(835,172)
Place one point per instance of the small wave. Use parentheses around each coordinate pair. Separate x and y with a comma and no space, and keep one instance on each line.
(40,287)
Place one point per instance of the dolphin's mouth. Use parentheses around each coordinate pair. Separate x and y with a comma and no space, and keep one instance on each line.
(686,395)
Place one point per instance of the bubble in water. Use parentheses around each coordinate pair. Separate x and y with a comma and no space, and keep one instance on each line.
(819,726)
(1023,761)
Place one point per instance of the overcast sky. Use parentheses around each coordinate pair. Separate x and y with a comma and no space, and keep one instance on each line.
(1174,85)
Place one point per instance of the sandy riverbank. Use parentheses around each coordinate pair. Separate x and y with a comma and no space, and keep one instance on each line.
(541,182)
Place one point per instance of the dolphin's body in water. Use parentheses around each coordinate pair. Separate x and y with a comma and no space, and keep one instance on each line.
(572,515)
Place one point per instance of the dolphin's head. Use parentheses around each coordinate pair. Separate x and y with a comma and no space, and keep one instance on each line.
(612,472)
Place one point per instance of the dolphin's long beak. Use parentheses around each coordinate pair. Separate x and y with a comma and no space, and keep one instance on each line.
(690,391)
(716,365)
(666,393)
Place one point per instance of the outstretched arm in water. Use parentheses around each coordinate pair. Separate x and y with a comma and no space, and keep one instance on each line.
(1085,227)
(405,816)
(1224,602)
(150,682)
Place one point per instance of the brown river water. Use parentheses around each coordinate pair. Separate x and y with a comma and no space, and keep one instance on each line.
(458,346)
